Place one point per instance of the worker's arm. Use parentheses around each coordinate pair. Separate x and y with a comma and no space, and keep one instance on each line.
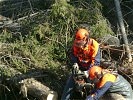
(96,56)
(96,59)
(73,58)
(99,92)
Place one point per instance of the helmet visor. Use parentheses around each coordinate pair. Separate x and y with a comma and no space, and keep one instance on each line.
(79,43)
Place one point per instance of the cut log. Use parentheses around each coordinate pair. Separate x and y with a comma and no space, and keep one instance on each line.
(36,89)
(28,86)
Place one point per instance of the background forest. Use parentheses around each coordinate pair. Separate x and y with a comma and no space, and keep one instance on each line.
(36,36)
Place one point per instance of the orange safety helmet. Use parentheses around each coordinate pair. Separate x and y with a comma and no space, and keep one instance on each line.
(94,72)
(81,34)
(81,37)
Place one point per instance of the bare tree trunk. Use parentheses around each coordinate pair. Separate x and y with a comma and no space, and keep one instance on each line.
(121,23)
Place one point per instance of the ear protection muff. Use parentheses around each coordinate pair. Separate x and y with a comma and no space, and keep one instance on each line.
(99,76)
(87,36)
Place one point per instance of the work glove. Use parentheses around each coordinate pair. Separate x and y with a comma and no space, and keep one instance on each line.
(86,73)
(75,68)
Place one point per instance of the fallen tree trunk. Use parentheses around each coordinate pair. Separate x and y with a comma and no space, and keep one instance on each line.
(36,89)
(27,85)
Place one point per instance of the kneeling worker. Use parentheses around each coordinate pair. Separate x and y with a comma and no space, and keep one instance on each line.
(107,83)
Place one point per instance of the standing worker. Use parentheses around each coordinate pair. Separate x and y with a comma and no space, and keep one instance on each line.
(86,53)
(110,86)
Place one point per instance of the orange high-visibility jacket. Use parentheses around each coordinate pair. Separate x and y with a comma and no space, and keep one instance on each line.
(110,83)
(88,56)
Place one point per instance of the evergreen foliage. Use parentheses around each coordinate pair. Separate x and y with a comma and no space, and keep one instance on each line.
(44,40)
